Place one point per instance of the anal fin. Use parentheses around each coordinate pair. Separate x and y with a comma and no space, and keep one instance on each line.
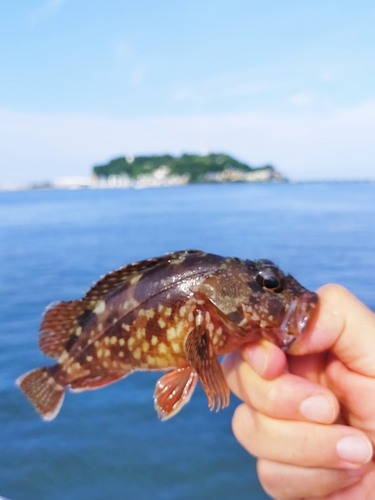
(199,351)
(96,380)
(173,390)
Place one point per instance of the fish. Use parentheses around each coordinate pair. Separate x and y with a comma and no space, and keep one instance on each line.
(177,314)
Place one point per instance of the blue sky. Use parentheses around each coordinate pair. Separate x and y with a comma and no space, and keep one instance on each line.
(289,83)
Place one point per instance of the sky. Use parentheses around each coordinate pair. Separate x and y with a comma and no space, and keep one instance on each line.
(290,83)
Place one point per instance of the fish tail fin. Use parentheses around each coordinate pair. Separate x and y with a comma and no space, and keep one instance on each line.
(43,391)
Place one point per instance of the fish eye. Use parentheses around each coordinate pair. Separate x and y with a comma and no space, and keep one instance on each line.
(268,279)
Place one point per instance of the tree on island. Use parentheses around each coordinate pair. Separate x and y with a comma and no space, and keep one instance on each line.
(210,168)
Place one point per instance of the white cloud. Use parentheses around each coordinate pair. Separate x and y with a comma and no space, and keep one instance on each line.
(303,145)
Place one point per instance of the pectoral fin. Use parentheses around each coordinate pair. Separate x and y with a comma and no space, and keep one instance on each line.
(199,351)
(173,390)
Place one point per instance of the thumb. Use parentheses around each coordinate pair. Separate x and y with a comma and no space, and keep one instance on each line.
(343,325)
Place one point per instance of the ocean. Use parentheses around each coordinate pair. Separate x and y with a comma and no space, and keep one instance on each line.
(109,443)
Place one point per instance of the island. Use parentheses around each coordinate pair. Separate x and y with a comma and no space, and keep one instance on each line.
(160,171)
(167,170)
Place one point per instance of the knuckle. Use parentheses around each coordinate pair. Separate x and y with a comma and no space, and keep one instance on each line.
(336,292)
(274,399)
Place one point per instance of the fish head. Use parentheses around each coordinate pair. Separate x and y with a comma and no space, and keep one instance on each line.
(256,299)
(277,305)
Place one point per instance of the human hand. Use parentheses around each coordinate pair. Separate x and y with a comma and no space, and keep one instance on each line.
(309,416)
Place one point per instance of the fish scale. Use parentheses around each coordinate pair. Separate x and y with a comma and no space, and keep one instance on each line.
(176,313)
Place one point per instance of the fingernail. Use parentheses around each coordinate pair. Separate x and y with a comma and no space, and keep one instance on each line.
(356,449)
(257,357)
(318,408)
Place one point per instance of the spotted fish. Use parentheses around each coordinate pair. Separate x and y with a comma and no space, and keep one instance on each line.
(176,314)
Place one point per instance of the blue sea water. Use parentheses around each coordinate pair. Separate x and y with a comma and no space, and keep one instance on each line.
(109,443)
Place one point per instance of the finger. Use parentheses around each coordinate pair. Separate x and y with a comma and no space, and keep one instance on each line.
(362,407)
(265,358)
(343,325)
(287,397)
(284,481)
(302,443)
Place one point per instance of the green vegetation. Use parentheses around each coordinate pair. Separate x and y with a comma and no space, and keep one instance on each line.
(198,168)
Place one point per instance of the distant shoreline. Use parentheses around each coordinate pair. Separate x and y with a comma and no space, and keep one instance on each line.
(52,187)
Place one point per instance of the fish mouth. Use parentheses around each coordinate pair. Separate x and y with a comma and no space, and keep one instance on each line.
(296,319)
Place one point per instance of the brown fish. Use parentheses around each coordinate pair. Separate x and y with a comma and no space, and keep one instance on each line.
(174,313)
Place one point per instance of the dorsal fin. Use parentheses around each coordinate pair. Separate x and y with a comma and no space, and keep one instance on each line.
(59,323)
(129,274)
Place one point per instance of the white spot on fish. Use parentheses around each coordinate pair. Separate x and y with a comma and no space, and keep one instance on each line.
(162,348)
(179,260)
(171,334)
(141,332)
(135,279)
(182,311)
(150,360)
(137,353)
(198,319)
(100,307)
(176,347)
(161,362)
(149,313)
(161,323)
(154,340)
(63,357)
